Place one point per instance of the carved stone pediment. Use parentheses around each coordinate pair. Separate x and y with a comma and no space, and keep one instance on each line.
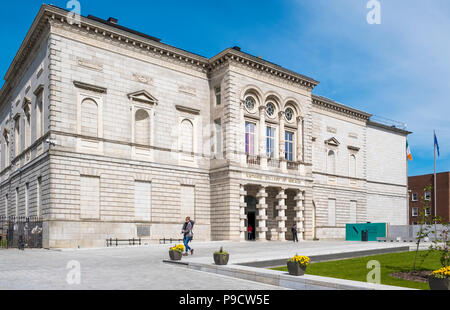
(143,97)
(332,142)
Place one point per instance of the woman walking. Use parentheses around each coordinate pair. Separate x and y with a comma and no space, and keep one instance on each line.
(188,234)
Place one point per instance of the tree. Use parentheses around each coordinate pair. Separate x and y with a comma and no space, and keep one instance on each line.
(425,227)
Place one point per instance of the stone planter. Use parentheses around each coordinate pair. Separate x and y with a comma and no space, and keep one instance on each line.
(295,269)
(221,259)
(175,255)
(439,284)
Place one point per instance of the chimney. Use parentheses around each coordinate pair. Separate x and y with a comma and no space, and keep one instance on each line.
(113,20)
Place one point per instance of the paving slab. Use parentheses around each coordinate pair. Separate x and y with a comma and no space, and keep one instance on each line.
(142,268)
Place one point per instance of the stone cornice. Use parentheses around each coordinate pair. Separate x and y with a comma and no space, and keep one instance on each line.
(330,105)
(187,110)
(55,16)
(90,87)
(389,128)
(233,55)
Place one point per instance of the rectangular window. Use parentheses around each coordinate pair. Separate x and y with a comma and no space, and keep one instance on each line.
(17,202)
(218,92)
(27,200)
(331,212)
(289,145)
(250,138)
(270,141)
(218,135)
(17,140)
(427,196)
(415,212)
(415,197)
(39,196)
(39,115)
(427,211)
(90,198)
(6,206)
(143,201)
(187,207)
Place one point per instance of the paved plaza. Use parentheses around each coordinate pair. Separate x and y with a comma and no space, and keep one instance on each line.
(142,268)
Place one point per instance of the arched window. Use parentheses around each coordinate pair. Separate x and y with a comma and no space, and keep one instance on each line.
(142,127)
(352,165)
(331,162)
(89,118)
(187,136)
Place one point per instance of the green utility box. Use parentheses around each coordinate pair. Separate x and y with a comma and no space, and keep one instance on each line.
(366,232)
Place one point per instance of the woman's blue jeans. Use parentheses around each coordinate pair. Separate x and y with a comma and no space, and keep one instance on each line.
(186,243)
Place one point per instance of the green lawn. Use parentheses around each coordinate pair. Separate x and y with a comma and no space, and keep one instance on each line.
(355,268)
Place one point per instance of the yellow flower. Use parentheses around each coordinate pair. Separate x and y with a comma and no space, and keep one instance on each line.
(443,272)
(179,248)
(302,260)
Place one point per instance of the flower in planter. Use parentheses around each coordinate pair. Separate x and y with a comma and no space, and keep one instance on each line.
(221,252)
(178,248)
(302,260)
(443,273)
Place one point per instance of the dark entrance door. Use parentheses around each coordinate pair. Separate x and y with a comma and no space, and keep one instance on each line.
(251,215)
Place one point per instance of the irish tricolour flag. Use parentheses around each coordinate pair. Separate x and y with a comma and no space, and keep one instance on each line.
(408,151)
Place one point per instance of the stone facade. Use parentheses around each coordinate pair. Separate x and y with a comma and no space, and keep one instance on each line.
(109,133)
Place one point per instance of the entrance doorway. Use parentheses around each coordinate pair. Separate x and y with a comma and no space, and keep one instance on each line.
(250,211)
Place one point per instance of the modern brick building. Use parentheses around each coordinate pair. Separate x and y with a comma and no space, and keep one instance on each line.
(420,199)
(108,132)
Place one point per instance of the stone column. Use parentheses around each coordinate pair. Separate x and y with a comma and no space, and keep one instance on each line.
(300,139)
(262,217)
(299,218)
(242,215)
(281,218)
(282,137)
(262,137)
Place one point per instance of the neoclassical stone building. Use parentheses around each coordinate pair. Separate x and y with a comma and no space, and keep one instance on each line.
(110,133)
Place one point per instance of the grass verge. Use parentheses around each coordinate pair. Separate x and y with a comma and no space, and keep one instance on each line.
(356,268)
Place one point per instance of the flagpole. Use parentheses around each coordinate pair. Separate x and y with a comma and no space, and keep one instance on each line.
(434,186)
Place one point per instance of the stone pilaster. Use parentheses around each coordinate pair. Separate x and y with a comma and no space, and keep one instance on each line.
(299,218)
(282,146)
(262,216)
(281,218)
(241,132)
(262,137)
(300,139)
(242,215)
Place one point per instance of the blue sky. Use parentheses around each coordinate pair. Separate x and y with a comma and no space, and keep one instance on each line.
(399,69)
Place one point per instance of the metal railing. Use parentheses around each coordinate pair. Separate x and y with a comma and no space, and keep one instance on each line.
(253,160)
(169,241)
(116,242)
(21,232)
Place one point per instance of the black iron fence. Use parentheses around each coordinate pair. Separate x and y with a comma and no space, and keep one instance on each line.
(21,232)
(116,242)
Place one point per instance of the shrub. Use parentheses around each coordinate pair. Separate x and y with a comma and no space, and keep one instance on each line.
(221,252)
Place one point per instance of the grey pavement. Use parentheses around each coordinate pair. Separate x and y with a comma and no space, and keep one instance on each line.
(142,268)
